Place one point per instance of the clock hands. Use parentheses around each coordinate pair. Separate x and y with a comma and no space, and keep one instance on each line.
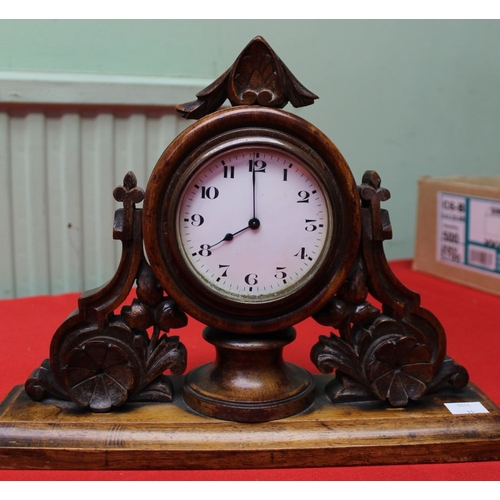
(253,223)
(253,190)
(228,237)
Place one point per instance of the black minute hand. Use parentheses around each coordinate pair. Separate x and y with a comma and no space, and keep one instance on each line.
(253,188)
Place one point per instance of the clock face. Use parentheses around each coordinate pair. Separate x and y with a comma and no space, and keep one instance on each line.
(251,220)
(253,223)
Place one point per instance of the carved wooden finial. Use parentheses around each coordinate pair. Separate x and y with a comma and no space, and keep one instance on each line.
(257,77)
(372,195)
(129,194)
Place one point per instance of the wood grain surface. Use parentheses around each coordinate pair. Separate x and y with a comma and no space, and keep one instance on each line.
(58,435)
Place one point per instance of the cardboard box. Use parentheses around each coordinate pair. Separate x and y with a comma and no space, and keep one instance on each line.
(458,230)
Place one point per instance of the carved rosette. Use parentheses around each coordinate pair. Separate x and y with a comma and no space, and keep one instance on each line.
(100,359)
(396,354)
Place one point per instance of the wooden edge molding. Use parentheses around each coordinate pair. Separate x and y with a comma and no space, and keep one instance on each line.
(57,435)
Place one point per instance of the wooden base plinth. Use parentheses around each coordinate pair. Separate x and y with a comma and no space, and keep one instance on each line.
(55,435)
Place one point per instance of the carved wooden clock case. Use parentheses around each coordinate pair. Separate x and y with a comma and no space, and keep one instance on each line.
(252,222)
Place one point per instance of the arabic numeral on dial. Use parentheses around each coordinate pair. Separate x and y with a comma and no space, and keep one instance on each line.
(310,227)
(251,279)
(280,274)
(228,172)
(304,196)
(205,250)
(210,192)
(301,254)
(197,220)
(257,166)
(285,172)
(224,273)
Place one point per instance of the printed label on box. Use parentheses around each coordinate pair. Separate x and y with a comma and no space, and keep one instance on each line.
(469,232)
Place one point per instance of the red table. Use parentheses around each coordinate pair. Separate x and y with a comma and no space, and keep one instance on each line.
(471,320)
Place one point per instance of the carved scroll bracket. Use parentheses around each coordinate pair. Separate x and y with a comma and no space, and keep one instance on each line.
(100,359)
(397,354)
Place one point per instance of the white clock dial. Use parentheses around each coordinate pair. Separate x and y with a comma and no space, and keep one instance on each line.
(254,223)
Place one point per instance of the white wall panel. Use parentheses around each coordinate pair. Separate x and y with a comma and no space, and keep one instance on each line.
(29,204)
(97,182)
(64,202)
(58,169)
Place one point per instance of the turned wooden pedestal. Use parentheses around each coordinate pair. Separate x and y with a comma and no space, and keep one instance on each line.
(249,381)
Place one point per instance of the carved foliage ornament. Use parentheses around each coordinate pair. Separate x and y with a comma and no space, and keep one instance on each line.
(258,76)
(100,359)
(397,354)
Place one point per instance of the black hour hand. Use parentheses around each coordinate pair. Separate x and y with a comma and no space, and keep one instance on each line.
(252,224)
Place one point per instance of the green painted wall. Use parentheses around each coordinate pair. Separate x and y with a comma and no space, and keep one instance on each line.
(406,98)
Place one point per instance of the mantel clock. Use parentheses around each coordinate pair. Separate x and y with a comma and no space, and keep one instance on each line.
(252,222)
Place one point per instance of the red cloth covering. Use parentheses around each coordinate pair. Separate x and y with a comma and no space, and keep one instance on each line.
(471,320)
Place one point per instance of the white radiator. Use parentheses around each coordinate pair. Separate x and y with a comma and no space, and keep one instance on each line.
(65,143)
